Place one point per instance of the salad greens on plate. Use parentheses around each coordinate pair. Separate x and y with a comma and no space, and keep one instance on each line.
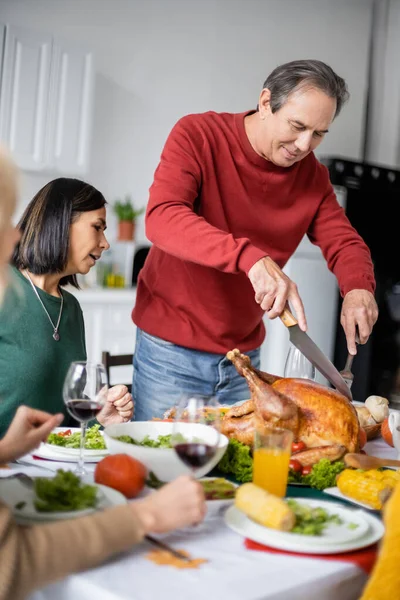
(67,439)
(64,492)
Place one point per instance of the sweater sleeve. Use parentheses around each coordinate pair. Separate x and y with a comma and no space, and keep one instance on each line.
(345,252)
(172,222)
(32,557)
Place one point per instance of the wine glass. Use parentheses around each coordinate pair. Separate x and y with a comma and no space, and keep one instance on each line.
(297,365)
(85,393)
(196,431)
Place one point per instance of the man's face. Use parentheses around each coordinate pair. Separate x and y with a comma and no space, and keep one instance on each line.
(296,129)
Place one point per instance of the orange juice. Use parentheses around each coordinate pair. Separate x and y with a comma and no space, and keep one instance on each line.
(270,469)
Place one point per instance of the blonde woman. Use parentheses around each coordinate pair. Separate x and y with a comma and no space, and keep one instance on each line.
(32,557)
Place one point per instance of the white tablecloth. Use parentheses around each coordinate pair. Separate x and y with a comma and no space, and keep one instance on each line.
(232,571)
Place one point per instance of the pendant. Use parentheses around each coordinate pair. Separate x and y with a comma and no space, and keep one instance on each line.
(56,335)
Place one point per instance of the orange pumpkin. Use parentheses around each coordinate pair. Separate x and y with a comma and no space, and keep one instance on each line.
(362,437)
(121,472)
(386,433)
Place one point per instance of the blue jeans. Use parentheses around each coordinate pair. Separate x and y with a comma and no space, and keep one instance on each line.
(162,371)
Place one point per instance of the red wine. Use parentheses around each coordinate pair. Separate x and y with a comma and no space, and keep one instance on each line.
(196,454)
(83,410)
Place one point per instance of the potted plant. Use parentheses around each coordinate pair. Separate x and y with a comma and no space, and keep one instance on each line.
(127,214)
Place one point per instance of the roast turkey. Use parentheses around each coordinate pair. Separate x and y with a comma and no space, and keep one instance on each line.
(318,416)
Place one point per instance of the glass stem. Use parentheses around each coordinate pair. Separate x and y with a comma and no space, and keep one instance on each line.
(82,448)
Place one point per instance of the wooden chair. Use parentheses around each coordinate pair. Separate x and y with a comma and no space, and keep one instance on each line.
(117,360)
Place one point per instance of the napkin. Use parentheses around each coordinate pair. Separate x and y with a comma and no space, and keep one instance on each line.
(364,558)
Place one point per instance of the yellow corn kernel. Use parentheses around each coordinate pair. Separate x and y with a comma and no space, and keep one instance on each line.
(391,475)
(265,508)
(364,488)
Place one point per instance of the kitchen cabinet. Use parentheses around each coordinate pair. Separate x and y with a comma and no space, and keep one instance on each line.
(24,96)
(71,93)
(46,99)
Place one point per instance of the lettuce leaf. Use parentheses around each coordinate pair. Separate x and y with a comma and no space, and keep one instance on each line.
(237,461)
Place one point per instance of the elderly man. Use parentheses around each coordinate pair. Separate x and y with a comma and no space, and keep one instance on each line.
(232,198)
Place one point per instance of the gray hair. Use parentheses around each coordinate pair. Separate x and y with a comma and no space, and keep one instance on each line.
(292,76)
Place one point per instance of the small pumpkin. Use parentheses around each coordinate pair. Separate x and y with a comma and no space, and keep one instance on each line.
(121,472)
(386,433)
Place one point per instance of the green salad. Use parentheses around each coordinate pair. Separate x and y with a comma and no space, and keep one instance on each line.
(162,441)
(311,521)
(323,474)
(94,439)
(64,492)
(238,463)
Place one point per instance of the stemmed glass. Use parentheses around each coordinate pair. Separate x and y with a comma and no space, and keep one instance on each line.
(297,365)
(196,431)
(85,393)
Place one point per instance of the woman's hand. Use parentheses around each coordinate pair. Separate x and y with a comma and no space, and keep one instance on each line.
(28,429)
(118,407)
(177,504)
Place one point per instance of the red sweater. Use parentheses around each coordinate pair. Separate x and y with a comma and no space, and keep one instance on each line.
(216,207)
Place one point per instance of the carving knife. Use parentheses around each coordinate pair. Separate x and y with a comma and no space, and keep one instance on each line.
(311,351)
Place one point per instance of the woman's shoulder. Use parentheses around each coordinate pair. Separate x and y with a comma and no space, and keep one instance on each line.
(70,299)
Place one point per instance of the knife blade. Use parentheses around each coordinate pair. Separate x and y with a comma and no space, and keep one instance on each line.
(311,351)
(163,546)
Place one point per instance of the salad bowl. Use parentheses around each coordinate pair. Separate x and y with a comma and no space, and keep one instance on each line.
(162,461)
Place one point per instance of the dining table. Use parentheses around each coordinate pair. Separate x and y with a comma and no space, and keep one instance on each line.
(232,570)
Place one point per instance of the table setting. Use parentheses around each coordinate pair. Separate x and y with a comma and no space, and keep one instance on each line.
(269,533)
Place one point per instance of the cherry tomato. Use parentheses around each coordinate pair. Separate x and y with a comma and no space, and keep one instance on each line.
(65,433)
(298,447)
(306,470)
(295,466)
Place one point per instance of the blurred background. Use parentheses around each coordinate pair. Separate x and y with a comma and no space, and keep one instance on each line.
(91,88)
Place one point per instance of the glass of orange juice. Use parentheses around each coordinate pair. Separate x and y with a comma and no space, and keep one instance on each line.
(271,456)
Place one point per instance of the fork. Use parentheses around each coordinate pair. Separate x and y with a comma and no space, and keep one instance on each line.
(346,372)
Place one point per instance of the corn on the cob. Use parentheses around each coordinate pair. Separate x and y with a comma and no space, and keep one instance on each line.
(265,508)
(365,488)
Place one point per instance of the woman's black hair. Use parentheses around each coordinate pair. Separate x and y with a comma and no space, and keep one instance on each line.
(45,226)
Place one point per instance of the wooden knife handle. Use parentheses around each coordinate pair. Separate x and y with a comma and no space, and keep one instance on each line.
(287,318)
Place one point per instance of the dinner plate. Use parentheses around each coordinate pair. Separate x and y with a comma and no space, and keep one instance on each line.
(13,492)
(239,522)
(73,452)
(215,507)
(48,452)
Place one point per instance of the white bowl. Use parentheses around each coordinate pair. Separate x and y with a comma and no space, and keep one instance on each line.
(163,462)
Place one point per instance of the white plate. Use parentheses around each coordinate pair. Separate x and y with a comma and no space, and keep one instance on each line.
(74,452)
(48,452)
(12,492)
(239,522)
(215,507)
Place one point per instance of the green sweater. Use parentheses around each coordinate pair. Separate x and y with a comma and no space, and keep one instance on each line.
(33,365)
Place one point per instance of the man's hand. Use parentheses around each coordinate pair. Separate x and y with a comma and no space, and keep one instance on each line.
(274,289)
(28,429)
(118,407)
(359,310)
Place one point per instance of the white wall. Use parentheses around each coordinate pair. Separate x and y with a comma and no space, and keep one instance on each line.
(160,59)
(384,111)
